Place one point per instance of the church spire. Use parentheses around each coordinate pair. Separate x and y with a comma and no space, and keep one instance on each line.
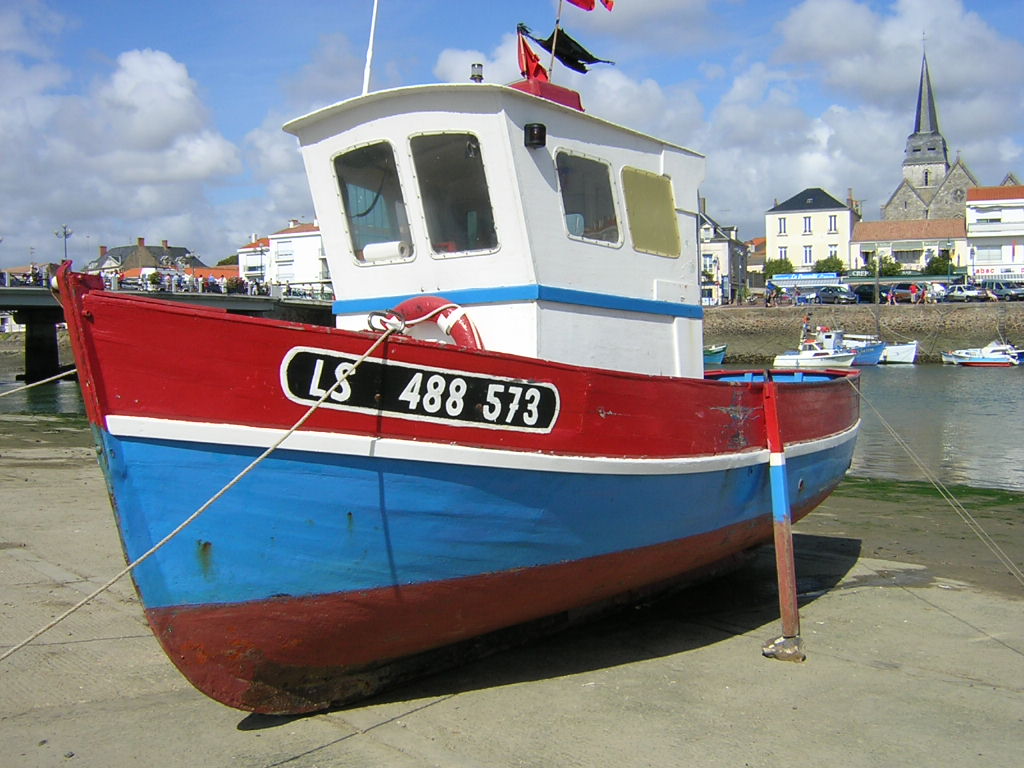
(926,154)
(927,119)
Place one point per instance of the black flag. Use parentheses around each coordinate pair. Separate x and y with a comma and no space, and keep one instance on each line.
(568,51)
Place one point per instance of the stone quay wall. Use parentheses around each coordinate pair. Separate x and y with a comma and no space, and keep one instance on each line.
(755,334)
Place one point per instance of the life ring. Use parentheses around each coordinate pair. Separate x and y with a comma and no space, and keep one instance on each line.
(449,317)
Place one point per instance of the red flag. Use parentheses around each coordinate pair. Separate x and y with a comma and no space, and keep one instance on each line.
(589,5)
(529,62)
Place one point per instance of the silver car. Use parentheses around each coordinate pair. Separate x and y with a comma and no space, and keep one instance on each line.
(964,293)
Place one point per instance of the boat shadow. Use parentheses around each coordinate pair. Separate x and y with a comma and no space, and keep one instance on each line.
(740,601)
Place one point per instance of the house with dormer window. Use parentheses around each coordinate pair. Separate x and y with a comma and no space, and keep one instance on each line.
(808,227)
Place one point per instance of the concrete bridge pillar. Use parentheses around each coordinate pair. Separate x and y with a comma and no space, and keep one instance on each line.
(42,356)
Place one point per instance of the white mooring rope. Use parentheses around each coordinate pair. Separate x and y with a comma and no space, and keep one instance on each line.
(392,328)
(41,381)
(946,494)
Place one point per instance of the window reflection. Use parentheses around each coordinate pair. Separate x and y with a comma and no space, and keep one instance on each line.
(587,198)
(453,186)
(373,202)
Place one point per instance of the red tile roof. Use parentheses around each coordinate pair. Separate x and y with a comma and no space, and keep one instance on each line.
(304,227)
(995,193)
(913,229)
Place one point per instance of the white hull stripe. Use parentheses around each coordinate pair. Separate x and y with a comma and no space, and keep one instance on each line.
(444,453)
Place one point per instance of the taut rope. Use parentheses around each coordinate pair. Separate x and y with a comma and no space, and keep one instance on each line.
(41,381)
(966,516)
(394,326)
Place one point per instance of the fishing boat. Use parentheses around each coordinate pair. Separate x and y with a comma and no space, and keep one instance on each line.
(995,354)
(893,353)
(864,352)
(812,354)
(714,354)
(509,425)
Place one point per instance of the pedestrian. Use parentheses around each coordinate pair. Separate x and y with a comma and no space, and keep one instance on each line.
(913,293)
(891,295)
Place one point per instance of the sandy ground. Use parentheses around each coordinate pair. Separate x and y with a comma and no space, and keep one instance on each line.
(914,635)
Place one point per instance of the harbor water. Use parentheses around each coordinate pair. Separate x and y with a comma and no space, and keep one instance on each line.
(965,426)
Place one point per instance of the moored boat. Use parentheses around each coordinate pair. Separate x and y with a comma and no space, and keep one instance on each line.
(525,430)
(812,354)
(714,354)
(995,354)
(902,353)
(865,352)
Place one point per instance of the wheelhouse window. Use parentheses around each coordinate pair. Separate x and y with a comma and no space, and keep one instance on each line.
(456,201)
(587,202)
(374,207)
(651,212)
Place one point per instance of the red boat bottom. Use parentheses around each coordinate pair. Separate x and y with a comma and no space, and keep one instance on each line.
(293,655)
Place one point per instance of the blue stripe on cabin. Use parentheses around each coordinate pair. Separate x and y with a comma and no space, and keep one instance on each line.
(531,292)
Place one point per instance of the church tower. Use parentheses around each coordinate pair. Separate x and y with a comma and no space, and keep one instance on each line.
(931,188)
(925,163)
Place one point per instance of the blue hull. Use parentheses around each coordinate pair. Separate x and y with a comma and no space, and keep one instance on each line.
(869,355)
(308,523)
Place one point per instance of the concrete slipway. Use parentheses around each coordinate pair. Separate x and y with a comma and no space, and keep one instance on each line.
(915,641)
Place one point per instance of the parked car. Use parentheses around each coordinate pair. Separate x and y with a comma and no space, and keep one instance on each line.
(806,295)
(904,293)
(1000,291)
(964,293)
(836,294)
(866,293)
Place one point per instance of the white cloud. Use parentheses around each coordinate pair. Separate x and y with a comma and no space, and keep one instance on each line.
(823,96)
(137,151)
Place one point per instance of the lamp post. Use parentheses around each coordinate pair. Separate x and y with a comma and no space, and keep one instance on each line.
(64,233)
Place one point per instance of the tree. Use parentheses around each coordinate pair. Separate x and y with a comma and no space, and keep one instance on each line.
(773,267)
(230,261)
(234,284)
(939,265)
(889,267)
(831,264)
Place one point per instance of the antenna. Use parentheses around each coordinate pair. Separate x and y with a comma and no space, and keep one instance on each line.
(369,50)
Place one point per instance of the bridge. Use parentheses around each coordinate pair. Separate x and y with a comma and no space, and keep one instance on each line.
(38,310)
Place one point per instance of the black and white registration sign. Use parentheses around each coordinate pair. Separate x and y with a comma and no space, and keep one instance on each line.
(418,392)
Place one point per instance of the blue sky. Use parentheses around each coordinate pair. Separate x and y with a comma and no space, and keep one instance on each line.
(135,118)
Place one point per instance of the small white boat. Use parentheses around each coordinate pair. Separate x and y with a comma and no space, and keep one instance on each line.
(995,354)
(813,355)
(904,353)
(894,353)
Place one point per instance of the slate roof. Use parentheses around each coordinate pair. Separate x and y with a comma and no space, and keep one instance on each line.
(812,199)
(138,256)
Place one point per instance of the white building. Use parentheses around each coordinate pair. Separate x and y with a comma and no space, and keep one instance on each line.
(995,232)
(723,260)
(291,259)
(809,227)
